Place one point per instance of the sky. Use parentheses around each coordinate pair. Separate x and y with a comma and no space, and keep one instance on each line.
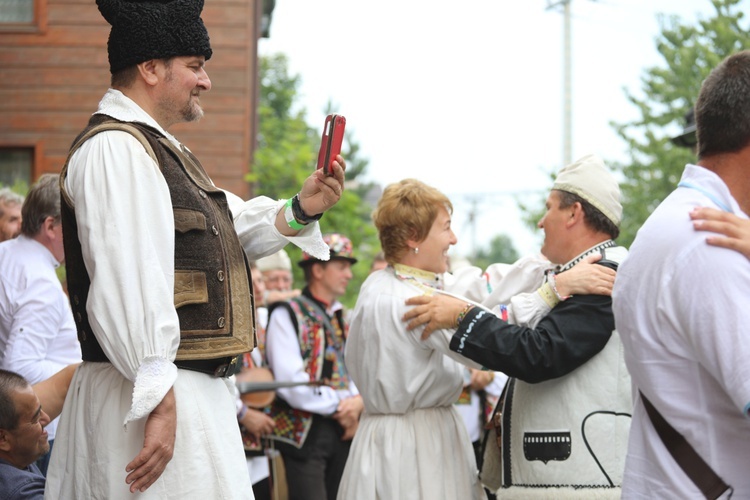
(468,96)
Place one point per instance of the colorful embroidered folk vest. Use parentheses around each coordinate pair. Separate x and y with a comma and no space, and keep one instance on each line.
(212,285)
(321,340)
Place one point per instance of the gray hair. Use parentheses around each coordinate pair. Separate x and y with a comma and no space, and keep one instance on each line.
(8,197)
(9,382)
(42,201)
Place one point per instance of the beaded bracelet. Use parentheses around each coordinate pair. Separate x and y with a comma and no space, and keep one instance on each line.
(553,284)
(463,314)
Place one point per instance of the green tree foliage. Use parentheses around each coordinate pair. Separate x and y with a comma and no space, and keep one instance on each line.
(669,90)
(287,152)
(19,187)
(500,249)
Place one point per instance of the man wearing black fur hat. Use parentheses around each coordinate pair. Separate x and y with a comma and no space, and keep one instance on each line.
(157,277)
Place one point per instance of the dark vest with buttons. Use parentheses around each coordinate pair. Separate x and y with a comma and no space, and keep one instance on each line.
(212,285)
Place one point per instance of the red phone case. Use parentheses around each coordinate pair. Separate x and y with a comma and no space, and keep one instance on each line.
(330,144)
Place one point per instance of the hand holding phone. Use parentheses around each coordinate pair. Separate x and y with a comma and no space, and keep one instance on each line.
(330,144)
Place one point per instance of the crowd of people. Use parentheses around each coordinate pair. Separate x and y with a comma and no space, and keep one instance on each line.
(180,360)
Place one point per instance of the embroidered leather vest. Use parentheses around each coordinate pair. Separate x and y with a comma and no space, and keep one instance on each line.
(212,286)
(321,340)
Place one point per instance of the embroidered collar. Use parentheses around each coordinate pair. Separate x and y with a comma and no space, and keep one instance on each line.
(597,249)
(419,277)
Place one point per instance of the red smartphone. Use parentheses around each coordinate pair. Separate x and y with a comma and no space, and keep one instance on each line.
(330,144)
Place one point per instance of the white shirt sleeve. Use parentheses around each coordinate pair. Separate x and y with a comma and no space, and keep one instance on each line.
(255,223)
(439,341)
(495,388)
(41,312)
(512,286)
(527,309)
(126,229)
(285,361)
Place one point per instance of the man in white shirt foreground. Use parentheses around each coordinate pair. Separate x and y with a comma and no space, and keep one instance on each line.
(683,310)
(157,275)
(37,331)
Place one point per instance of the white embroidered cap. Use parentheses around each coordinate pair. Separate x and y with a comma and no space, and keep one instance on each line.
(277,261)
(590,179)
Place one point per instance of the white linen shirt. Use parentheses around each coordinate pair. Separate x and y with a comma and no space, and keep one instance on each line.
(683,313)
(37,332)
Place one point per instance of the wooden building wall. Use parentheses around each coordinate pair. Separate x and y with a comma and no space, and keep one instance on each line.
(52,79)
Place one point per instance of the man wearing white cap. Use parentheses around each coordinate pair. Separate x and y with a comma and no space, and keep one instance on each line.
(564,415)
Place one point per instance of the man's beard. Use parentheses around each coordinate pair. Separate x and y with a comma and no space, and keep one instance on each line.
(191,112)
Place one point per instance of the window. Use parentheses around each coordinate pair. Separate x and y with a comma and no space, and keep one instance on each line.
(23,16)
(17,11)
(16,166)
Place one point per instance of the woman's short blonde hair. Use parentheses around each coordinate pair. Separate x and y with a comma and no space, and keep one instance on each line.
(406,211)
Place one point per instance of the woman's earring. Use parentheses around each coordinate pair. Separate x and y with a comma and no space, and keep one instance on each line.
(416,250)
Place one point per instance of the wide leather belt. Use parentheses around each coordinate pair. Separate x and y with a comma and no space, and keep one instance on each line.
(219,368)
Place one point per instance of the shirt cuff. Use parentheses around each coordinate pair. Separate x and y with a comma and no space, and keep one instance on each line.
(154,378)
(547,293)
(310,240)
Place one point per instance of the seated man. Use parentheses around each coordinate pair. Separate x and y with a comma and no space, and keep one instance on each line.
(22,436)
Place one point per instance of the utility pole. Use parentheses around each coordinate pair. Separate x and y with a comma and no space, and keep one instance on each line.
(567,79)
(472,222)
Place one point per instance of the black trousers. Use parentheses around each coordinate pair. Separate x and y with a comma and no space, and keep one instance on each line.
(314,471)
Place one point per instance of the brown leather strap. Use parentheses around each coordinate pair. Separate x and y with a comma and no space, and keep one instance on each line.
(702,475)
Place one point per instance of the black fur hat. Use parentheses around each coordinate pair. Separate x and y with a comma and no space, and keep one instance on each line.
(155,29)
